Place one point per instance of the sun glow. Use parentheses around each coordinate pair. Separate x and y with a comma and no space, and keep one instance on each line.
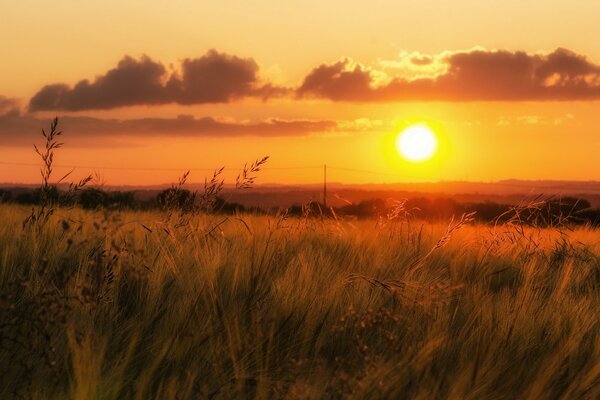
(417,143)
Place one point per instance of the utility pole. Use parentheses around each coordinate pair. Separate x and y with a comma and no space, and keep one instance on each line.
(325,186)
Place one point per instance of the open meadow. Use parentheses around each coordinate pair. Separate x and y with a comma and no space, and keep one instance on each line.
(138,304)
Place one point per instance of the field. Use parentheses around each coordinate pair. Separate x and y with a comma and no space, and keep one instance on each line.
(126,304)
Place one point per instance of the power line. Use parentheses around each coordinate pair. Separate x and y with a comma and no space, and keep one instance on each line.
(367,172)
(523,185)
(107,167)
(100,167)
(21,164)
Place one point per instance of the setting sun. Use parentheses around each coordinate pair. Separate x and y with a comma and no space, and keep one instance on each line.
(417,143)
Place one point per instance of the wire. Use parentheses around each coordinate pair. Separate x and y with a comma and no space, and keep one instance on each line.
(523,185)
(365,171)
(19,164)
(148,168)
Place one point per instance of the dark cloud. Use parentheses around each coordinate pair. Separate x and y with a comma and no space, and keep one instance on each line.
(337,82)
(132,82)
(9,107)
(212,78)
(17,130)
(477,75)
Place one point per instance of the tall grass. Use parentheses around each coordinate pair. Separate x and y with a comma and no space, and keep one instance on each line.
(99,305)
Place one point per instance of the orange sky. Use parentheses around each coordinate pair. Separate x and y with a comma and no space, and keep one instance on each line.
(304,82)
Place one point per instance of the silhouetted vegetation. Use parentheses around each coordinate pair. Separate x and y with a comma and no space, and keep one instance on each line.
(172,197)
(422,208)
(549,211)
(5,196)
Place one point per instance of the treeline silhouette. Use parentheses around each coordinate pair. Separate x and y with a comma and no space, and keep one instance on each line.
(566,209)
(95,198)
(577,210)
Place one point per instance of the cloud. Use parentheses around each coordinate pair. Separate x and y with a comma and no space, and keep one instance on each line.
(132,82)
(217,78)
(18,130)
(475,75)
(9,107)
(343,80)
(470,75)
(565,119)
(213,78)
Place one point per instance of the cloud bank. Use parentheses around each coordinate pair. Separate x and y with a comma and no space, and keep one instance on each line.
(476,75)
(18,129)
(472,75)
(213,78)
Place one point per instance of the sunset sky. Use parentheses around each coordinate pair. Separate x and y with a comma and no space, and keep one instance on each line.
(147,89)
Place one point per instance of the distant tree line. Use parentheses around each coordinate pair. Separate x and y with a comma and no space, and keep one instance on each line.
(92,198)
(566,210)
(88,198)
(578,211)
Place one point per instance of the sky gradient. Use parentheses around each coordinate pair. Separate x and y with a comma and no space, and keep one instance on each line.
(158,87)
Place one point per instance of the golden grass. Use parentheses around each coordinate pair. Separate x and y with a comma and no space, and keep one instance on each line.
(123,305)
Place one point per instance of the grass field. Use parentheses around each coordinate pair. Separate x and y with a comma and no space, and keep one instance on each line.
(119,305)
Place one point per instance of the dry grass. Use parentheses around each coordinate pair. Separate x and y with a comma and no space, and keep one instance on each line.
(134,305)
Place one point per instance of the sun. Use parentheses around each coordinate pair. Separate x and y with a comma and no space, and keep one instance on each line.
(417,143)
